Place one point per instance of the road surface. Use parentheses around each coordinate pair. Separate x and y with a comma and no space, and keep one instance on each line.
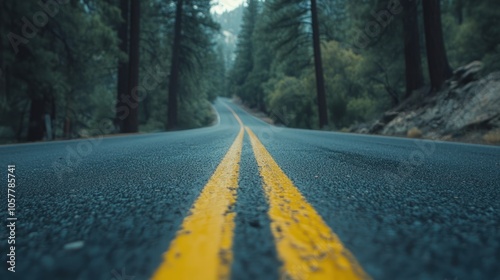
(246,200)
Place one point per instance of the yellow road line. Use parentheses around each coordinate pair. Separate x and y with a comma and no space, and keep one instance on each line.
(234,114)
(308,248)
(202,248)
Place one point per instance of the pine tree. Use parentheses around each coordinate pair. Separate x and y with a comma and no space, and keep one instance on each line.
(294,21)
(174,68)
(413,59)
(131,121)
(194,29)
(318,67)
(55,67)
(123,68)
(439,69)
(244,62)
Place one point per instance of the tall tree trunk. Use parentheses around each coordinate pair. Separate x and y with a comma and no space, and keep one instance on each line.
(318,67)
(413,59)
(20,127)
(122,65)
(53,115)
(459,11)
(439,68)
(173,86)
(67,118)
(131,121)
(36,127)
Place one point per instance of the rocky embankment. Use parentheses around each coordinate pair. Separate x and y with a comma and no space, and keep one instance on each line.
(467,109)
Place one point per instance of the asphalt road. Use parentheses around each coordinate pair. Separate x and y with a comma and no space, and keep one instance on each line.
(110,208)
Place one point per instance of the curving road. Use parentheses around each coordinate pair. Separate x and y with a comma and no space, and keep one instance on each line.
(246,200)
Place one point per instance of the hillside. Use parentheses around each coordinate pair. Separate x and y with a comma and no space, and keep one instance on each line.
(466,110)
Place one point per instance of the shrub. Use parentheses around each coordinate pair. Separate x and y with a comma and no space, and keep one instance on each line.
(414,132)
(492,137)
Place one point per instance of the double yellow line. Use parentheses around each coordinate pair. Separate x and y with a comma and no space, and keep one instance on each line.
(307,247)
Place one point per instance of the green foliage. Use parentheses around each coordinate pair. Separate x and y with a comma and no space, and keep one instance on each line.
(361,109)
(195,113)
(66,63)
(291,102)
(289,27)
(351,96)
(243,63)
(71,65)
(272,42)
(202,66)
(477,37)
(363,78)
(359,83)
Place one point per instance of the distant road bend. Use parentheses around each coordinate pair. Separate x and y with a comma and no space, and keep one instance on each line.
(246,200)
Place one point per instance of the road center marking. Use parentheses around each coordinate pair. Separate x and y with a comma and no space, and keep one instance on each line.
(202,248)
(308,248)
(234,114)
